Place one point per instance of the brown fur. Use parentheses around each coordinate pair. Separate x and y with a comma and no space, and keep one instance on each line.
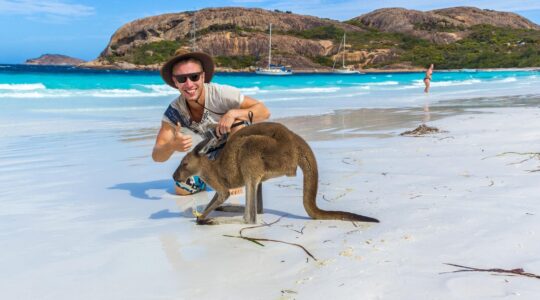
(252,155)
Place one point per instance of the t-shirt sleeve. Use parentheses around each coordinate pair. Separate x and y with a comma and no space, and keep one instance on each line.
(231,97)
(172,116)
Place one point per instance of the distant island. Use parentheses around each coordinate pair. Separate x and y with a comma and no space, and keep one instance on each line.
(54,59)
(385,39)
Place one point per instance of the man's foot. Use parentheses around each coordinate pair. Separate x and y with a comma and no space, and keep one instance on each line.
(236,191)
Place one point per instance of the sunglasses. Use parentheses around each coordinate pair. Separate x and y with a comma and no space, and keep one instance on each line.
(183,78)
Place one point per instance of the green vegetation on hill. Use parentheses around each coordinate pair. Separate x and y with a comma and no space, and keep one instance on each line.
(438,26)
(323,61)
(151,53)
(235,62)
(223,27)
(318,33)
(367,40)
(485,47)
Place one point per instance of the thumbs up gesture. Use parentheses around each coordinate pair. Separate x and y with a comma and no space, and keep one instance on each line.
(181,142)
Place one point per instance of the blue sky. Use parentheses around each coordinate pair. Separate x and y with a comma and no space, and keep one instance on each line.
(82,29)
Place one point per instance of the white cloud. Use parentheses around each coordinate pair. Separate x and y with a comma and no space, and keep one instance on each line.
(50,9)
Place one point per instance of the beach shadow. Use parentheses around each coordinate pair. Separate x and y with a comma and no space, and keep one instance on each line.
(286,214)
(140,189)
(187,213)
(166,214)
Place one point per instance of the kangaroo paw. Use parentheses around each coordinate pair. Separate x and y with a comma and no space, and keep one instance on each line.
(205,221)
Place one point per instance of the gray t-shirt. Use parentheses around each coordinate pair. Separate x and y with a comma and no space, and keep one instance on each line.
(218,100)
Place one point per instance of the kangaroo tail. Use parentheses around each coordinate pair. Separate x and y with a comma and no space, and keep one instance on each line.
(308,164)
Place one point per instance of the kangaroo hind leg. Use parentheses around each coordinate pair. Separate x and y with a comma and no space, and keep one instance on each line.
(259,198)
(250,213)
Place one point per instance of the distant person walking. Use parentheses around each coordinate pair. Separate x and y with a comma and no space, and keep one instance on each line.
(427,78)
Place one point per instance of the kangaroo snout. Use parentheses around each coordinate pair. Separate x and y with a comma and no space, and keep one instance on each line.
(189,166)
(178,175)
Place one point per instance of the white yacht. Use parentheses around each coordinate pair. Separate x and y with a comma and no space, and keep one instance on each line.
(343,69)
(272,69)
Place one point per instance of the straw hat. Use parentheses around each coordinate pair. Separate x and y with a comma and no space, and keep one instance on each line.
(205,59)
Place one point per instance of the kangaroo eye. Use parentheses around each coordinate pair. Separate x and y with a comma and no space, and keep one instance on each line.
(184,165)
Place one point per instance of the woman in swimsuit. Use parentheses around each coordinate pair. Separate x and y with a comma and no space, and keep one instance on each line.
(427,78)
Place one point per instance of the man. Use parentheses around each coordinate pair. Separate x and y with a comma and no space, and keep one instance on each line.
(200,106)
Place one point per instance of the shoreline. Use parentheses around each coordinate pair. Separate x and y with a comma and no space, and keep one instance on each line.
(329,71)
(154,69)
(319,70)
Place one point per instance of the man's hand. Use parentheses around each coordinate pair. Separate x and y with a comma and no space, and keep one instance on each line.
(225,123)
(180,142)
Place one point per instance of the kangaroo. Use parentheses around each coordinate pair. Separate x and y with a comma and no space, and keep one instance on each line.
(252,155)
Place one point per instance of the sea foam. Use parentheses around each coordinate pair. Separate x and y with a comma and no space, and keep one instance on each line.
(21,87)
(40,91)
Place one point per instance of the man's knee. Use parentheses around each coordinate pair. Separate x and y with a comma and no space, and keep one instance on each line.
(181,192)
(191,186)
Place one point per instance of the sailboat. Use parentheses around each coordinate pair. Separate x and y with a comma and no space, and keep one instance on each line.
(343,69)
(272,69)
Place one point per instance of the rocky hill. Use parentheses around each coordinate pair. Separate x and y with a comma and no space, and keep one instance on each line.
(221,32)
(54,59)
(385,38)
(442,25)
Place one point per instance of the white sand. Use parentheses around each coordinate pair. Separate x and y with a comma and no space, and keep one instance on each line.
(106,226)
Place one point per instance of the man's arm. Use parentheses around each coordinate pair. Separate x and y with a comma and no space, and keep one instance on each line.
(169,140)
(259,110)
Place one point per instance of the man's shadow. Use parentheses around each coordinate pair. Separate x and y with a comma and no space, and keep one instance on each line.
(140,190)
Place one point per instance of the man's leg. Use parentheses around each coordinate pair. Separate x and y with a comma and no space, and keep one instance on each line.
(180,191)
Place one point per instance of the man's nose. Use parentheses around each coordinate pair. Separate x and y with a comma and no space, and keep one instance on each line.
(188,82)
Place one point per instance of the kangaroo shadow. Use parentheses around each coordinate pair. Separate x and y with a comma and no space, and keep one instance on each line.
(188,213)
(140,189)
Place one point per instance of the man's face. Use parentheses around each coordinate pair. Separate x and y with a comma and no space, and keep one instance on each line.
(191,88)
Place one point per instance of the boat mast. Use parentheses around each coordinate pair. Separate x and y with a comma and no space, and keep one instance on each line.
(270,48)
(344,48)
(193,35)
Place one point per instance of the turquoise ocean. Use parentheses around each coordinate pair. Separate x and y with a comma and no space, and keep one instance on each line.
(48,99)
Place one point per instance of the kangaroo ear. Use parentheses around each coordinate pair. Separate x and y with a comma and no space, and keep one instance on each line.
(200,146)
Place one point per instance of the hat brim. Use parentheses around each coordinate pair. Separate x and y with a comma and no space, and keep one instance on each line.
(205,59)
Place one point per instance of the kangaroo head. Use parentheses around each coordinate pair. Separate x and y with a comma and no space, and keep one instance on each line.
(191,164)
